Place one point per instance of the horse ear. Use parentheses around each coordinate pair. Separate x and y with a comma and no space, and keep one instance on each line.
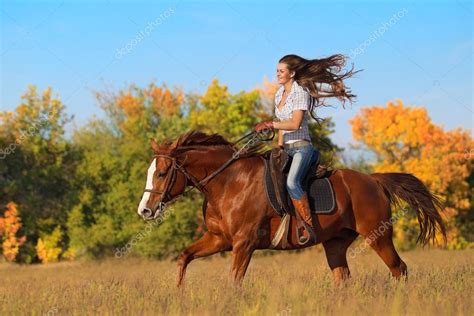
(154,145)
(174,145)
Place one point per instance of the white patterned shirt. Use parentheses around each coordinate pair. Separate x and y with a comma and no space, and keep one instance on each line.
(297,99)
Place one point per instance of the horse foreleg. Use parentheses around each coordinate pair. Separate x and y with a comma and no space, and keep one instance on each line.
(242,251)
(207,245)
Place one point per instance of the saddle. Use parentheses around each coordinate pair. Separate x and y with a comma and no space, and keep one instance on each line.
(315,183)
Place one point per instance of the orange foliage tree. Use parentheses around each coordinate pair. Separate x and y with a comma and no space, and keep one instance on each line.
(404,139)
(267,94)
(10,224)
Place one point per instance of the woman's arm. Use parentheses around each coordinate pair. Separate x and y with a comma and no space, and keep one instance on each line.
(292,124)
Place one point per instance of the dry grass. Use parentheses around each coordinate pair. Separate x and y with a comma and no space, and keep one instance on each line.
(440,282)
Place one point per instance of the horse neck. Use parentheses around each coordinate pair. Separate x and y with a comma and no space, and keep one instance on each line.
(204,162)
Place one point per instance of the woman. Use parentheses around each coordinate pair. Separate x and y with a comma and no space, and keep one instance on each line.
(304,83)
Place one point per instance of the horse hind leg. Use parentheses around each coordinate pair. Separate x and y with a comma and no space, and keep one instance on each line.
(336,250)
(383,246)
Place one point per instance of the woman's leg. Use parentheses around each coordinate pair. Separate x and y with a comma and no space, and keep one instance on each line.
(302,159)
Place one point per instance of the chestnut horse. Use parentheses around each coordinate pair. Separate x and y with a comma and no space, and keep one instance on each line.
(240,219)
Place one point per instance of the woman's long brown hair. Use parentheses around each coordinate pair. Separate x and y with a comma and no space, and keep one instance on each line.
(323,78)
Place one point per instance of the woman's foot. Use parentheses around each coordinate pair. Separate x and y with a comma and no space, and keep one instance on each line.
(303,211)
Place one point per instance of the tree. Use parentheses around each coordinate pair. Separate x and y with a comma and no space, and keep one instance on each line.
(37,164)
(115,155)
(219,111)
(78,194)
(320,135)
(10,225)
(48,248)
(404,139)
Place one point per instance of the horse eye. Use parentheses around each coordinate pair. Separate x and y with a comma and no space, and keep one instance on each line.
(162,174)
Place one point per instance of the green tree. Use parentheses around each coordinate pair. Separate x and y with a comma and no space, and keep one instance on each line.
(219,111)
(115,156)
(320,135)
(37,164)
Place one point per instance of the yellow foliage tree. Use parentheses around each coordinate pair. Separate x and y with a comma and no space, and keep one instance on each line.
(10,224)
(404,139)
(48,248)
(219,111)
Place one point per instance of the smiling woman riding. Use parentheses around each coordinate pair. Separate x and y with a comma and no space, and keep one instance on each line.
(237,213)
(297,96)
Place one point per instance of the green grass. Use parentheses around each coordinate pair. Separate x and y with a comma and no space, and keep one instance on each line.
(440,282)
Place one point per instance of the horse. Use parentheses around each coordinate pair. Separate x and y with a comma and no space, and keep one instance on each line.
(239,218)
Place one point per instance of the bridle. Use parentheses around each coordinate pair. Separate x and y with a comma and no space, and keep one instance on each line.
(199,184)
(170,181)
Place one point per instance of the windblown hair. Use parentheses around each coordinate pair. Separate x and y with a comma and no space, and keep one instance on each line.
(322,78)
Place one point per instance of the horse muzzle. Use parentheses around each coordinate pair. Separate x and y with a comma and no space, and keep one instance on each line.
(149,214)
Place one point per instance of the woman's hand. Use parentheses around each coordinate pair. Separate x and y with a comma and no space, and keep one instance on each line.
(263,125)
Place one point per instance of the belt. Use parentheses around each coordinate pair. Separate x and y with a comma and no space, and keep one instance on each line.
(300,143)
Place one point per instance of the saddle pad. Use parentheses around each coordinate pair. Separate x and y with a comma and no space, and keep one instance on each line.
(270,191)
(321,196)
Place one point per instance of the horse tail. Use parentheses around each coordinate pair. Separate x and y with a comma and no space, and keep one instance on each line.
(406,187)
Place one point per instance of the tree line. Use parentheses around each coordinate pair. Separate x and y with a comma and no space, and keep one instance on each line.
(72,193)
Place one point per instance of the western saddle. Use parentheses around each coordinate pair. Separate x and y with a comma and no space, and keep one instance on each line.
(277,165)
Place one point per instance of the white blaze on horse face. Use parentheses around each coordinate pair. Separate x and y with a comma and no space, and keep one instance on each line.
(149,186)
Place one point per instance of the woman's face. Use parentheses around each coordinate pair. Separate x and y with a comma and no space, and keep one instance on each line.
(283,74)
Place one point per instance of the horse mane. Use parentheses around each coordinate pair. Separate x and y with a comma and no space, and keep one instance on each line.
(198,138)
(195,139)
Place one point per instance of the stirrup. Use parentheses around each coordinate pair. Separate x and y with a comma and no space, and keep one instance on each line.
(302,240)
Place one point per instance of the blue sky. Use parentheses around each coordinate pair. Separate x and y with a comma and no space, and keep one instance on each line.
(418,51)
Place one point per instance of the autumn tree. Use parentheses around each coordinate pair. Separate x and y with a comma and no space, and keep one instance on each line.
(404,139)
(219,111)
(48,247)
(37,164)
(10,224)
(115,155)
(267,91)
(78,190)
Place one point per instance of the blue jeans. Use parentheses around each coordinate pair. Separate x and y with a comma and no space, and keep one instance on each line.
(303,157)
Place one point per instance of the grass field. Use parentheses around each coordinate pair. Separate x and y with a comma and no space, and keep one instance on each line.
(440,283)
